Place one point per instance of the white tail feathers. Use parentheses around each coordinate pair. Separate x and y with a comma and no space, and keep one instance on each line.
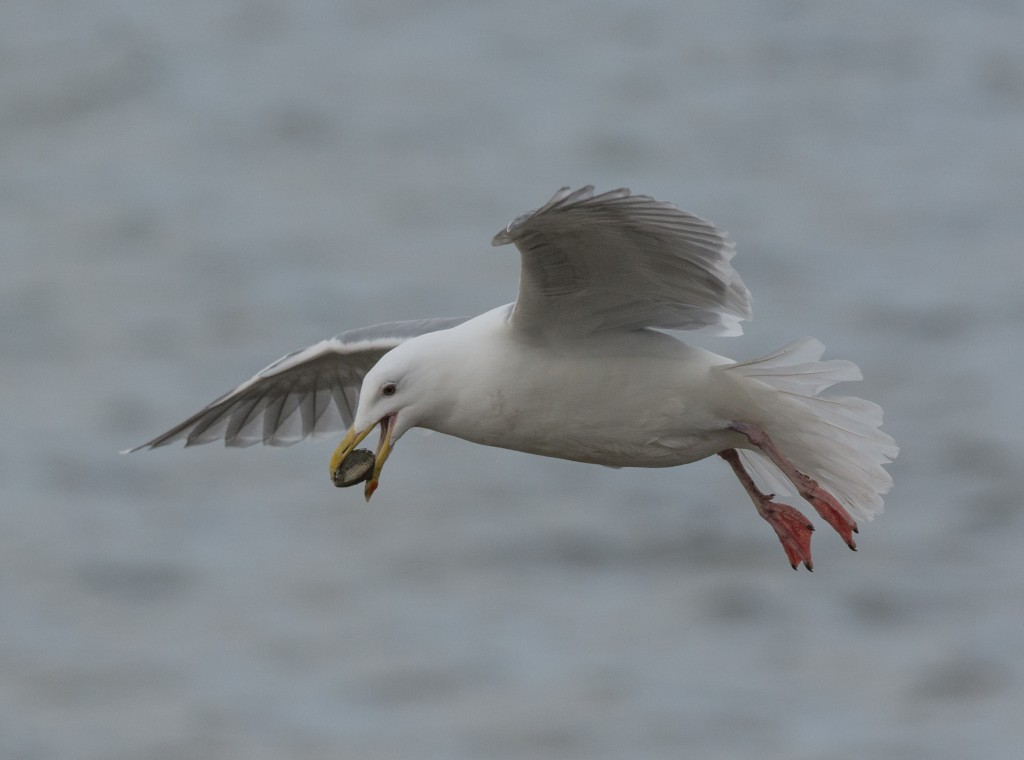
(834,439)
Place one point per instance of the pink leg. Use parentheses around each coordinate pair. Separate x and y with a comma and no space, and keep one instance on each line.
(825,503)
(793,529)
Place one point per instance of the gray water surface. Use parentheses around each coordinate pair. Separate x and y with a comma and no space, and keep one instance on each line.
(190,190)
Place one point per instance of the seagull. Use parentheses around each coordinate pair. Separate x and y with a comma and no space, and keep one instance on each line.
(579,367)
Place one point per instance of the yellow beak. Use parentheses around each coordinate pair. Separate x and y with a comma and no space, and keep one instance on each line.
(353,439)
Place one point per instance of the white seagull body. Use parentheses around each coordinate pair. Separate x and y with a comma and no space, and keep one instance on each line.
(589,400)
(576,369)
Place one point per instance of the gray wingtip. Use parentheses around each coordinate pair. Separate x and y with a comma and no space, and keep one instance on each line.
(565,195)
(142,446)
(502,238)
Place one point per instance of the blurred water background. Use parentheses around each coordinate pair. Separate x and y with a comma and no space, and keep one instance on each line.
(190,190)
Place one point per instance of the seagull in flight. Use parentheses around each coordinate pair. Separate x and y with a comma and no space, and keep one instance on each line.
(579,367)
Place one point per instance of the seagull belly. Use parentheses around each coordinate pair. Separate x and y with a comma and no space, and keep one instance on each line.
(638,402)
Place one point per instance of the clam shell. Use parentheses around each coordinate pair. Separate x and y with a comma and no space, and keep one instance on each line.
(357,467)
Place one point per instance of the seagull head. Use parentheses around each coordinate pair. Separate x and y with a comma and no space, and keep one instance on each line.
(392,396)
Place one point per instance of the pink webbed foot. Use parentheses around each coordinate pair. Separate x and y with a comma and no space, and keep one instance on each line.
(823,502)
(831,512)
(793,529)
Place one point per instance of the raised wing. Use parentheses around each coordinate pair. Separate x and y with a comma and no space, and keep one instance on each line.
(617,261)
(314,391)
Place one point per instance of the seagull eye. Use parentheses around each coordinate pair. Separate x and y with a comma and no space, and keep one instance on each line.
(388,389)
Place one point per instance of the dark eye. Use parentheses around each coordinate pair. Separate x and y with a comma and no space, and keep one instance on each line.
(388,389)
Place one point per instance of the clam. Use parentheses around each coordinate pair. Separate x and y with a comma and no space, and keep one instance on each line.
(357,467)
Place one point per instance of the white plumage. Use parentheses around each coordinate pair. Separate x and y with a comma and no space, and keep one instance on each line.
(575,369)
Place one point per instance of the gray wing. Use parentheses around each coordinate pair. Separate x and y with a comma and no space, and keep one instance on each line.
(618,261)
(314,391)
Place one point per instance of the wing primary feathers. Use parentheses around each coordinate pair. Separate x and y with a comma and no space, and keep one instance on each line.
(240,418)
(334,368)
(617,261)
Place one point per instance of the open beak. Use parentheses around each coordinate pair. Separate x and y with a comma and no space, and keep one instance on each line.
(353,439)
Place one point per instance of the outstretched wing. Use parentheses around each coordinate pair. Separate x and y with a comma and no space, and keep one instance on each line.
(617,261)
(314,391)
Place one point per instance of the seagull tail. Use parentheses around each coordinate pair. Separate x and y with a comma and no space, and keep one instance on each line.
(834,439)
